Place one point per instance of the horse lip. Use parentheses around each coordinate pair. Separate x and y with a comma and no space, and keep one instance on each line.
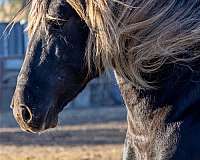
(45,125)
(31,128)
(28,130)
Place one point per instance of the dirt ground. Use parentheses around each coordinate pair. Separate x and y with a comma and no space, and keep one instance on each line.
(83,134)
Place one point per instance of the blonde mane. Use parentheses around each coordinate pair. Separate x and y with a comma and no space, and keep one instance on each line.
(134,36)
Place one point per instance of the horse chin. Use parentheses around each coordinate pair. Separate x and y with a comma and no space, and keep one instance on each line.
(52,122)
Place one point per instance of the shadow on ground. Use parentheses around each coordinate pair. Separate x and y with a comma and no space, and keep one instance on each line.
(76,116)
(64,137)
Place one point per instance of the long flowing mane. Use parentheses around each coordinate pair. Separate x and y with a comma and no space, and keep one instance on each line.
(134,36)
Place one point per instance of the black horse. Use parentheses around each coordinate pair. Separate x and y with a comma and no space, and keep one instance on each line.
(163,122)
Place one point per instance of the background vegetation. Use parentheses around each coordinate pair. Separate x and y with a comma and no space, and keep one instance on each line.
(8,8)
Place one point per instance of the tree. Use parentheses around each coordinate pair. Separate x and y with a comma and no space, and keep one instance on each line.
(8,8)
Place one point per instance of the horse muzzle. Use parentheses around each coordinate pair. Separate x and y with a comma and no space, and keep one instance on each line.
(32,118)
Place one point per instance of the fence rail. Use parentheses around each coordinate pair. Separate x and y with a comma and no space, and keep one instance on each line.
(3,72)
(12,42)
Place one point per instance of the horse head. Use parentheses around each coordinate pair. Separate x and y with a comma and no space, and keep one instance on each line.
(54,70)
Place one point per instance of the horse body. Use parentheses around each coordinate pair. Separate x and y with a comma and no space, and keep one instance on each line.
(152,45)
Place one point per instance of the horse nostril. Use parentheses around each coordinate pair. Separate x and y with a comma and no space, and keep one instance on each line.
(26,114)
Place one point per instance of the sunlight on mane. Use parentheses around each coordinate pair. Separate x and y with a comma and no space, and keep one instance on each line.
(134,37)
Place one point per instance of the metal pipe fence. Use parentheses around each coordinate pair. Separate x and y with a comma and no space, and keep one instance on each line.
(7,74)
(99,92)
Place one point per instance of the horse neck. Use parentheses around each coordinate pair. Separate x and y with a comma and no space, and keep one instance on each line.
(155,116)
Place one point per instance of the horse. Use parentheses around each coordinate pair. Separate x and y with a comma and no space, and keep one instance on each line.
(153,48)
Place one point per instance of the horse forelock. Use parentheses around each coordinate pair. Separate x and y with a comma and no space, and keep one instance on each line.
(134,36)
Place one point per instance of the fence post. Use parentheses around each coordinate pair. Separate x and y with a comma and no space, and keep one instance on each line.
(1,82)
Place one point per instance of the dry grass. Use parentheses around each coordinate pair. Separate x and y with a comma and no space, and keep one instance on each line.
(85,152)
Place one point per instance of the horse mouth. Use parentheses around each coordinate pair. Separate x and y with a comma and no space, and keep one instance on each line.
(36,127)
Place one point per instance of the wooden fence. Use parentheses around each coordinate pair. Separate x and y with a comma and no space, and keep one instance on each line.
(7,74)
